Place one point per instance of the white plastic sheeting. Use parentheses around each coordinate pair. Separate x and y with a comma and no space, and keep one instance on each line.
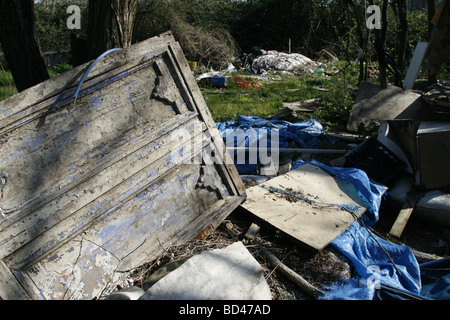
(284,62)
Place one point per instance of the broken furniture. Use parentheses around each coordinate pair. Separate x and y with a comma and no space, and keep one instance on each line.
(374,104)
(416,129)
(97,184)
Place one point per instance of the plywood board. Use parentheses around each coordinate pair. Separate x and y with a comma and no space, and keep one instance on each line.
(308,204)
(96,186)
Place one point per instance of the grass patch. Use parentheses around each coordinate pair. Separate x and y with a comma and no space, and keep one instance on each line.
(7,86)
(336,93)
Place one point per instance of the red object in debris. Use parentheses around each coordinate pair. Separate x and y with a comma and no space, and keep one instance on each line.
(246,84)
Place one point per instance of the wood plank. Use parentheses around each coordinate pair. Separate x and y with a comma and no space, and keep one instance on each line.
(416,62)
(307,204)
(228,169)
(405,213)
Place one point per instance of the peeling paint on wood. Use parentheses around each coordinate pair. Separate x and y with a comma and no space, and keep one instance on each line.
(92,188)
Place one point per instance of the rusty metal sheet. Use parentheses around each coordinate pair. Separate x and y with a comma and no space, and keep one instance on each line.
(97,184)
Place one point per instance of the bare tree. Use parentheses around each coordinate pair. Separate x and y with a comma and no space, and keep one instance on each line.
(20,44)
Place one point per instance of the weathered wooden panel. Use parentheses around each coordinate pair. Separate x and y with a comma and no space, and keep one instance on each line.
(96,185)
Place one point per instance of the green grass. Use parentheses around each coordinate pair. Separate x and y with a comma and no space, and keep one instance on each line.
(7,87)
(336,93)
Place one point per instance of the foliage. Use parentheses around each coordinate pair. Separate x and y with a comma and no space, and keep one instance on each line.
(336,93)
(7,87)
(208,44)
(51,28)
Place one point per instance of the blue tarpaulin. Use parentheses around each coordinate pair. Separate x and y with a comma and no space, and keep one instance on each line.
(304,133)
(370,258)
(381,269)
(375,261)
(251,131)
(435,277)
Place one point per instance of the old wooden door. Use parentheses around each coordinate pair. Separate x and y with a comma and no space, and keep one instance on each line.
(95,185)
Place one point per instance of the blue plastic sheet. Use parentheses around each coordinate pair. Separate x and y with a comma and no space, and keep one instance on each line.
(376,262)
(372,267)
(435,277)
(258,132)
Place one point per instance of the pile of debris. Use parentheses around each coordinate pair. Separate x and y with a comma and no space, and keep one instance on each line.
(117,184)
(262,63)
(312,228)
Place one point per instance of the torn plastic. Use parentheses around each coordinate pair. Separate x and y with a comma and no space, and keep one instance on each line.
(435,276)
(284,62)
(376,262)
(370,257)
(255,132)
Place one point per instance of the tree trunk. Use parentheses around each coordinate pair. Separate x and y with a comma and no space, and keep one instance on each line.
(110,25)
(361,41)
(382,43)
(20,44)
(431,9)
(438,51)
(401,6)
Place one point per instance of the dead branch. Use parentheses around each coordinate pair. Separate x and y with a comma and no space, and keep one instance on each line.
(298,280)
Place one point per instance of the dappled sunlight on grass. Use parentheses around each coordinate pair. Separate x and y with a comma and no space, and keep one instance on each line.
(336,92)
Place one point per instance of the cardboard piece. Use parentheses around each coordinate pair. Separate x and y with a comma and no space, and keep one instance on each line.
(305,204)
(231,273)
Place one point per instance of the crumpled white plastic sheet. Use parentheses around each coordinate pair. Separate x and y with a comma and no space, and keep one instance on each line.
(284,62)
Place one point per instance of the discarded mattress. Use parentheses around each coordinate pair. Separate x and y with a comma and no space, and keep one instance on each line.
(99,181)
